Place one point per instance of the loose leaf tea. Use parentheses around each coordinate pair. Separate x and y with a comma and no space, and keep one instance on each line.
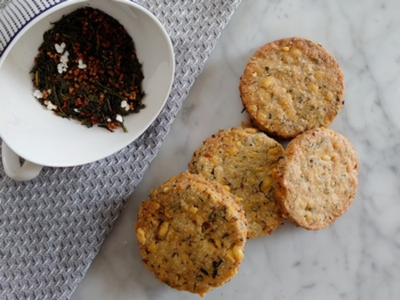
(87,70)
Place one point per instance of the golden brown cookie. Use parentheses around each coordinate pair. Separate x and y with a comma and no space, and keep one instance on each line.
(243,159)
(316,180)
(292,85)
(191,233)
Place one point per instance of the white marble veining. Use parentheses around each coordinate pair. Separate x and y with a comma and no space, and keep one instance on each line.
(358,257)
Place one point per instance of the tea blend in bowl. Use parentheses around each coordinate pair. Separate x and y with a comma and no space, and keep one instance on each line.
(87,70)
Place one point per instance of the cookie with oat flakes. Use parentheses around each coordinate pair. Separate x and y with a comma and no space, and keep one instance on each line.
(191,233)
(242,159)
(316,180)
(292,85)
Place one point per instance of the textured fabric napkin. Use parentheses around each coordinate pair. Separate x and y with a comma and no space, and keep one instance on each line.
(52,227)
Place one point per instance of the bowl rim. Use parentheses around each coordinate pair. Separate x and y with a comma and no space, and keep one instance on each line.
(31,22)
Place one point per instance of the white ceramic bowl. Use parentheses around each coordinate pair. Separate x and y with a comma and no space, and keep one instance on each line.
(43,139)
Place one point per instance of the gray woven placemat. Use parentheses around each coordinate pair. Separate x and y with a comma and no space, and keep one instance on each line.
(52,227)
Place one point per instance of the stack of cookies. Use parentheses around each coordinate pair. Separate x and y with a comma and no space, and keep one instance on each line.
(293,89)
(242,183)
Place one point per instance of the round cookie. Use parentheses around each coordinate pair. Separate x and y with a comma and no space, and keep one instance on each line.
(243,159)
(292,85)
(191,233)
(316,180)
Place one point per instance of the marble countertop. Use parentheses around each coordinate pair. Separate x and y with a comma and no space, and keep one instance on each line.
(358,257)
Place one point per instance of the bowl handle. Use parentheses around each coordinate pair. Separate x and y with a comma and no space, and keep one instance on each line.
(13,168)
